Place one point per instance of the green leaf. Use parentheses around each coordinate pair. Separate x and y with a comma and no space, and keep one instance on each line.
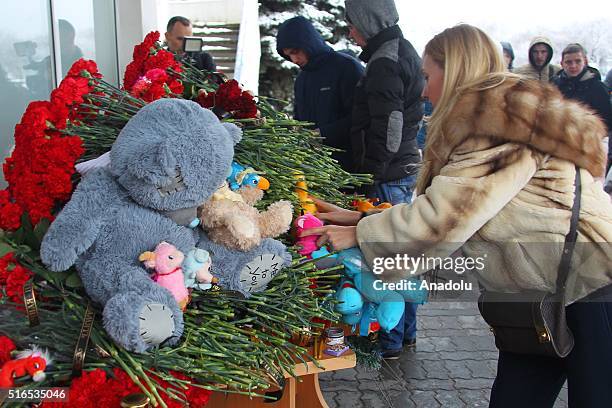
(41,229)
(74,281)
(5,249)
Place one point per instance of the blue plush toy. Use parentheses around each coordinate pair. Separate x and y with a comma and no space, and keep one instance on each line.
(350,304)
(196,269)
(246,177)
(384,306)
(168,159)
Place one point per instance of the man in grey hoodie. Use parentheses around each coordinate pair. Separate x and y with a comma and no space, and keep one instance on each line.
(539,67)
(385,121)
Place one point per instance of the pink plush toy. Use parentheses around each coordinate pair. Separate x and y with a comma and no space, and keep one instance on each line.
(309,243)
(166,260)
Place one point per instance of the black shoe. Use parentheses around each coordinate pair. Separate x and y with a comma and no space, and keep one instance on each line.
(410,343)
(392,354)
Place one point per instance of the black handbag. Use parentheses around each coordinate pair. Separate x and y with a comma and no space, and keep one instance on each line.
(534,322)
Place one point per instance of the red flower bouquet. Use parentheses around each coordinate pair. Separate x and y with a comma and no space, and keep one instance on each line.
(96,389)
(155,84)
(39,172)
(230,98)
(13,277)
(153,73)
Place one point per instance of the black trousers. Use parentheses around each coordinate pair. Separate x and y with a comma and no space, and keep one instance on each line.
(525,381)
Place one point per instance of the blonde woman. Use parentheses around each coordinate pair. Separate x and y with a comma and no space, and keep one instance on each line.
(498,176)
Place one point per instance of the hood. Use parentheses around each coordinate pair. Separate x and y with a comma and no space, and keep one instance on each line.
(299,33)
(547,43)
(506,46)
(595,72)
(525,112)
(371,17)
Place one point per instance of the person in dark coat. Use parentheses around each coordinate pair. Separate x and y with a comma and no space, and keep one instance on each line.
(388,105)
(579,82)
(324,87)
(386,117)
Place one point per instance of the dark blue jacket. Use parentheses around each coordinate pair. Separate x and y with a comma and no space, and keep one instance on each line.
(324,87)
(587,88)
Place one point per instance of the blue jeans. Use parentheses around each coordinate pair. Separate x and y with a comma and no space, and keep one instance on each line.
(397,192)
(535,381)
(405,330)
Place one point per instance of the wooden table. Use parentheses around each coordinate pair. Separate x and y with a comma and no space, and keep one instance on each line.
(299,393)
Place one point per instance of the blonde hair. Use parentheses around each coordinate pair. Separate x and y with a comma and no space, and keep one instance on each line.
(471,61)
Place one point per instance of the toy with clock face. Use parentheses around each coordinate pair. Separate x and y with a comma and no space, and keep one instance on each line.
(246,271)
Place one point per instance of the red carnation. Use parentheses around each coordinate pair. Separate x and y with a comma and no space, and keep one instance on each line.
(36,118)
(143,76)
(10,213)
(142,51)
(230,98)
(81,65)
(71,91)
(15,281)
(206,99)
(6,347)
(6,261)
(155,84)
(96,389)
(229,90)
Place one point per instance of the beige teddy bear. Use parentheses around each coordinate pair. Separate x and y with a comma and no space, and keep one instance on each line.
(230,218)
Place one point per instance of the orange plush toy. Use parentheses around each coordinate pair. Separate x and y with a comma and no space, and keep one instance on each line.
(370,204)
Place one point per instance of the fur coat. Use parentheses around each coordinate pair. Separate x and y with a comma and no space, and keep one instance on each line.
(501,183)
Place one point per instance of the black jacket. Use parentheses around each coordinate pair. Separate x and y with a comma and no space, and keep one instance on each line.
(324,87)
(388,108)
(202,60)
(587,87)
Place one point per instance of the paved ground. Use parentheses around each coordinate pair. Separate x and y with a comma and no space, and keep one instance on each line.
(453,366)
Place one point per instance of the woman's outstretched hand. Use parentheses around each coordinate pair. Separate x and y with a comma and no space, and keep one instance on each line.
(332,214)
(336,236)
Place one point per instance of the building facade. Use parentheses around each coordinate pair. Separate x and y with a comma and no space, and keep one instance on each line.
(40,39)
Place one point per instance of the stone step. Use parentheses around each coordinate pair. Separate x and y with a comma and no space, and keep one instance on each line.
(206,31)
(221,52)
(200,24)
(224,60)
(219,41)
(220,36)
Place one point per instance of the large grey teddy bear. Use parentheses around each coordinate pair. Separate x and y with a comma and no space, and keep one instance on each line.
(168,159)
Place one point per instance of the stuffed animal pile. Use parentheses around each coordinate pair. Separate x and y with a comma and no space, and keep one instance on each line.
(169,159)
(359,299)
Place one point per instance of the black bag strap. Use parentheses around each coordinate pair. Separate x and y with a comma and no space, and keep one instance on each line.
(570,239)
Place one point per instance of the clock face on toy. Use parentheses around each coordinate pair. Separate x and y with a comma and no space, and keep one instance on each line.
(256,275)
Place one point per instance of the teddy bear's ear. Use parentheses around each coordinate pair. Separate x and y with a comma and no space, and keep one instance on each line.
(234,131)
